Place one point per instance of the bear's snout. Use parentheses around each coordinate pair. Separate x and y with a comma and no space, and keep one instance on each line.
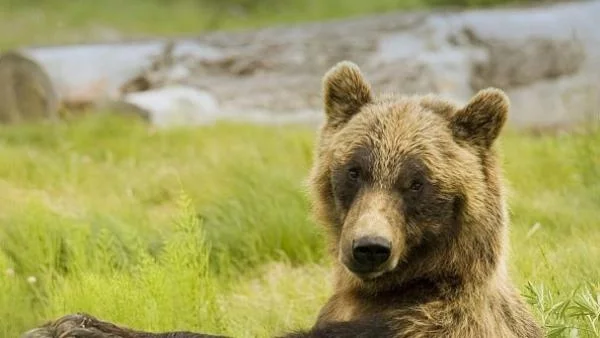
(370,252)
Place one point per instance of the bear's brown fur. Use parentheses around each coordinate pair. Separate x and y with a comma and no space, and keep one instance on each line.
(410,191)
(422,173)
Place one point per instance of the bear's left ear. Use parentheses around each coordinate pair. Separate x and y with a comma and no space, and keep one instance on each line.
(345,92)
(480,121)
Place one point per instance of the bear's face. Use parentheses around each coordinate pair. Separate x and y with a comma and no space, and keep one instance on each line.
(394,176)
(386,186)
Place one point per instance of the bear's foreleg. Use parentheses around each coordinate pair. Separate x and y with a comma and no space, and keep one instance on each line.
(82,325)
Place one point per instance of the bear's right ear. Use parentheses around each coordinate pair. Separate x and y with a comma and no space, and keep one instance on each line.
(345,93)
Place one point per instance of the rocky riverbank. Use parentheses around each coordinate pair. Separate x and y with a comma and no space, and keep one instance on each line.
(546,58)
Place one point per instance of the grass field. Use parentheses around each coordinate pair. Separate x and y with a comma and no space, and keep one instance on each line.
(208,228)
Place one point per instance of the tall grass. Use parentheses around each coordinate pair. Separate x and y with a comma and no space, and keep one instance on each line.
(208,228)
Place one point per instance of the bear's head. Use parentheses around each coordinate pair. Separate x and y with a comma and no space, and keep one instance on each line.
(409,186)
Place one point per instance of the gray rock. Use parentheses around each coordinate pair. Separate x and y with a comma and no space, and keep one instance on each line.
(560,102)
(522,47)
(521,62)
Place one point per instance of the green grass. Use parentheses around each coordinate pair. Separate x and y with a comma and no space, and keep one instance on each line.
(208,228)
(26,22)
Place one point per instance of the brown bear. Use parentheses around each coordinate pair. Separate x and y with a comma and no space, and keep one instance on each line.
(410,190)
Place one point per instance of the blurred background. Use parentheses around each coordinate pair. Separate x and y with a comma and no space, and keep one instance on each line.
(62,21)
(153,152)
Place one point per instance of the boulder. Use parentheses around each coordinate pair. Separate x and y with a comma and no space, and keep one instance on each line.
(564,101)
(26,92)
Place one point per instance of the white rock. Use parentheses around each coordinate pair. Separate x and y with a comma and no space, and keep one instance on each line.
(176,105)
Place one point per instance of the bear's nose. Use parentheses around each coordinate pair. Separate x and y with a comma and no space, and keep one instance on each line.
(371,251)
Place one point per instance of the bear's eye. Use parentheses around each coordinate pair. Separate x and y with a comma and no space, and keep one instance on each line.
(416,186)
(353,173)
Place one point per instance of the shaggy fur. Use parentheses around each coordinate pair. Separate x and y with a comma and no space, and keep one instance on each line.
(421,175)
(447,272)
